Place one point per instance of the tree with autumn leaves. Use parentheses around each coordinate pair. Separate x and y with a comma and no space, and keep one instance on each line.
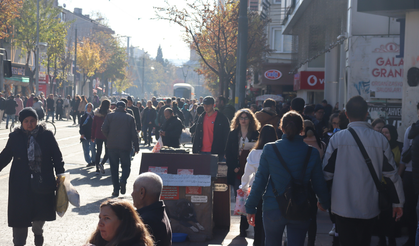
(211,29)
(9,11)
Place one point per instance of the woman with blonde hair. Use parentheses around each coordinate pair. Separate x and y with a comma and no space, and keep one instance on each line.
(242,138)
(120,225)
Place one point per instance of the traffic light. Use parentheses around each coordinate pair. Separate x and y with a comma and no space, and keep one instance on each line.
(7,68)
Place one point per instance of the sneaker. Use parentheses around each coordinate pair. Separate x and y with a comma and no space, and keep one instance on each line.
(102,169)
(115,194)
(90,164)
(123,188)
(97,172)
(332,232)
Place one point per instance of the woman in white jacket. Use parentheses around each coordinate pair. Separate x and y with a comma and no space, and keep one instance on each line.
(267,135)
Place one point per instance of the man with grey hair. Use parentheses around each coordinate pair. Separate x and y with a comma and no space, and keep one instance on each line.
(146,197)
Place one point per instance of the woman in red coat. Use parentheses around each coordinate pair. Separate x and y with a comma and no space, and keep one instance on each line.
(97,134)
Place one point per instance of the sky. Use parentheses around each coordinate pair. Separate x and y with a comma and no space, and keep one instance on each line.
(134,18)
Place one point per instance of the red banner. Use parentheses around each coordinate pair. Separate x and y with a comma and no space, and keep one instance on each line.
(307,80)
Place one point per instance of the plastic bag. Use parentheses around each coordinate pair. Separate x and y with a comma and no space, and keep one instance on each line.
(66,193)
(157,147)
(61,197)
(185,137)
(241,198)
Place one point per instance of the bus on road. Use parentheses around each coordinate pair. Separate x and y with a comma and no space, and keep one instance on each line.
(184,90)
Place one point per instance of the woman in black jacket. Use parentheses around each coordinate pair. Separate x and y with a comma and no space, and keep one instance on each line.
(10,110)
(243,135)
(36,155)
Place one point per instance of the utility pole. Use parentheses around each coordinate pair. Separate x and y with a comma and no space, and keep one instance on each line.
(142,77)
(241,55)
(75,63)
(37,50)
(1,67)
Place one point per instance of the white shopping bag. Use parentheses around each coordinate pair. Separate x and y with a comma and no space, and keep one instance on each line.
(158,146)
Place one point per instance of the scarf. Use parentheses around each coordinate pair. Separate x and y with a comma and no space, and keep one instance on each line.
(34,150)
(89,115)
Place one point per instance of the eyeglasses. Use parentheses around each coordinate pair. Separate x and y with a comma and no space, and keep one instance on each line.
(244,118)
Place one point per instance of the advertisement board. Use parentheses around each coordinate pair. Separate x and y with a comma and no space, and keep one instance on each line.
(375,71)
(309,80)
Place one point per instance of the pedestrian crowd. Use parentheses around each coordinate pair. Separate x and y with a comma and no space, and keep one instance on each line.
(290,159)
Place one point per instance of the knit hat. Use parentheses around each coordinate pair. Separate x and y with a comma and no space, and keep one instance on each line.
(26,112)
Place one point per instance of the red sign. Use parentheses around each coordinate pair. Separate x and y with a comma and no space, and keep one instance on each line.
(307,80)
(273,74)
(193,190)
(170,193)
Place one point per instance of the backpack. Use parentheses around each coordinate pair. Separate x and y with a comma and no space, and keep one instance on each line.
(294,204)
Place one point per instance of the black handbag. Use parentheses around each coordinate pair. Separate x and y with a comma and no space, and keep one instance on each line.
(407,156)
(387,194)
(294,204)
(40,186)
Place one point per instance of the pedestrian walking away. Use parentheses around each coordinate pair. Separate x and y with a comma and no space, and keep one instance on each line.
(267,135)
(354,193)
(36,156)
(283,164)
(120,131)
(97,135)
(171,130)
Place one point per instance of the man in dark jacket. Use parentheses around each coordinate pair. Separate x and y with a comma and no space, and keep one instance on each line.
(136,112)
(146,198)
(120,131)
(148,118)
(211,130)
(59,111)
(171,130)
(2,106)
(50,107)
(227,110)
(160,118)
(10,110)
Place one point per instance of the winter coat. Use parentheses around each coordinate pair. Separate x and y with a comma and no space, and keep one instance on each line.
(155,218)
(160,116)
(82,106)
(120,131)
(267,116)
(414,135)
(10,107)
(250,169)
(232,153)
(148,115)
(221,131)
(59,103)
(137,117)
(29,102)
(86,129)
(19,105)
(50,105)
(25,206)
(228,111)
(294,153)
(75,105)
(345,166)
(97,125)
(173,129)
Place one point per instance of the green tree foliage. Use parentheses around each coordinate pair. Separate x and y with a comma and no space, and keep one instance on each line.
(25,29)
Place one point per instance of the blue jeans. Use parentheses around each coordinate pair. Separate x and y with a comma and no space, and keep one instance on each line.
(114,157)
(10,116)
(50,113)
(89,150)
(274,225)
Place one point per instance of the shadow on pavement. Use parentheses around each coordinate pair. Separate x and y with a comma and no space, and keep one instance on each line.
(90,177)
(89,208)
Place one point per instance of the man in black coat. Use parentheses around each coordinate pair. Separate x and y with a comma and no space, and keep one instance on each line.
(136,112)
(50,107)
(146,198)
(160,118)
(120,132)
(211,130)
(171,130)
(148,118)
(10,110)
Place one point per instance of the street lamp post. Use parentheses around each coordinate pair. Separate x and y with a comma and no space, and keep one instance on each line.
(241,55)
